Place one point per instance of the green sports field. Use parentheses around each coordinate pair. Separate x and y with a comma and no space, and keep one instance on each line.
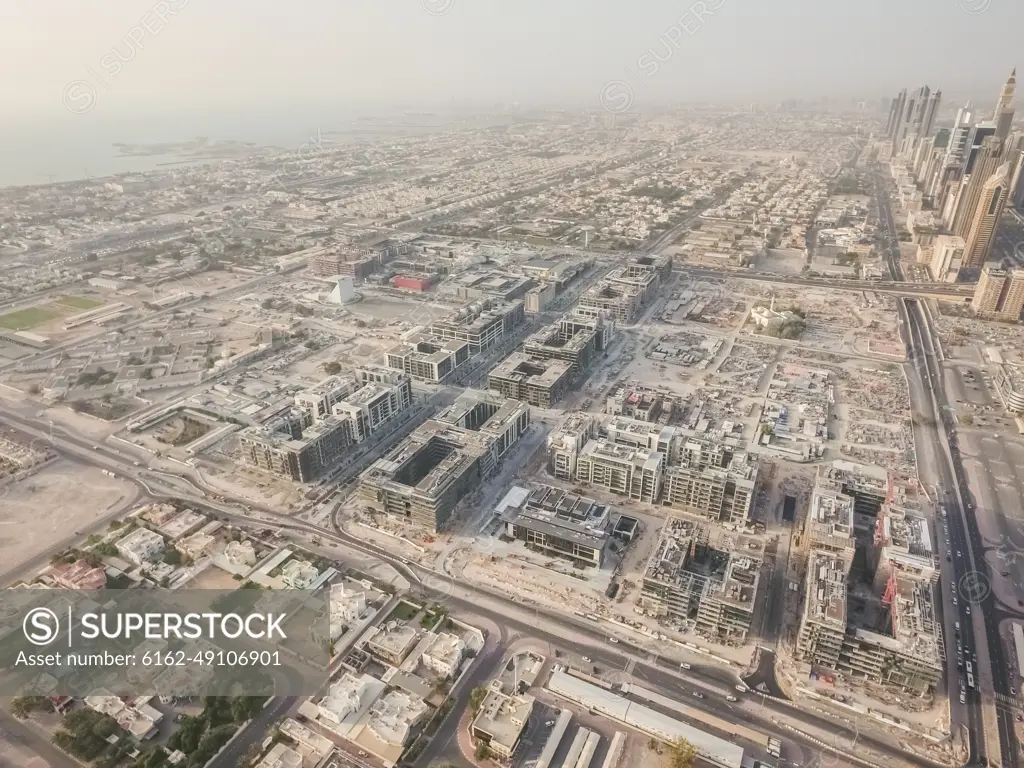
(23,319)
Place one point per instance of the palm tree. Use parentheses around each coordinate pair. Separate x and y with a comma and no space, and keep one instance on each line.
(681,754)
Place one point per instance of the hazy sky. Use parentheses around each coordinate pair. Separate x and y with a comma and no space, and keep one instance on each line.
(267,55)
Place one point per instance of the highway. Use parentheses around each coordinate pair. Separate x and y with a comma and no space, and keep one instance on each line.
(967,601)
(662,674)
(840,284)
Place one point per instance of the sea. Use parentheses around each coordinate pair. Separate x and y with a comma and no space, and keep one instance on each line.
(73,147)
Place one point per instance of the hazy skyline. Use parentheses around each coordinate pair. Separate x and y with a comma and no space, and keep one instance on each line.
(261,57)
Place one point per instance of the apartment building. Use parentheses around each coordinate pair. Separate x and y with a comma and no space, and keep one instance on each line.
(823,625)
(424,477)
(428,358)
(1000,293)
(947,258)
(723,495)
(481,325)
(541,383)
(688,575)
(294,452)
(623,470)
(566,442)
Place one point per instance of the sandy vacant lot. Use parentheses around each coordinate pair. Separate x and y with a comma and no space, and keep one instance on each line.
(49,507)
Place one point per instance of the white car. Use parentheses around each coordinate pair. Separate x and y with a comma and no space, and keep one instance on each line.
(684,665)
(587,659)
(730,697)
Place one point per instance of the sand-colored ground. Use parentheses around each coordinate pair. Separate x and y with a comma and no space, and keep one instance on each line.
(52,506)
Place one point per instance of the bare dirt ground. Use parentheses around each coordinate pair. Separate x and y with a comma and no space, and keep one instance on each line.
(52,505)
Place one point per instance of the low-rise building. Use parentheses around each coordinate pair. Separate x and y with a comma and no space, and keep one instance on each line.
(560,523)
(141,546)
(501,720)
(444,655)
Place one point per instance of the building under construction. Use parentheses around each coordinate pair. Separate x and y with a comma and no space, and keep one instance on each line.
(711,586)
(894,638)
(424,477)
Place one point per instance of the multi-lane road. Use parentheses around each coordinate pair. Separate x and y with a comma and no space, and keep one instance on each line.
(975,658)
(563,631)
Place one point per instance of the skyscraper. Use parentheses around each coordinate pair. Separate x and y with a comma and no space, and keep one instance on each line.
(1000,292)
(1003,116)
(989,157)
(978,242)
(896,113)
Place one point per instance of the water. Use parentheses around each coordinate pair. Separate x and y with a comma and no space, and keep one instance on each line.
(81,146)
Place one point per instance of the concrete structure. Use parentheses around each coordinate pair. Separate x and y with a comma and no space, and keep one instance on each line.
(567,440)
(481,325)
(560,523)
(425,476)
(651,722)
(501,720)
(141,546)
(723,492)
(1010,386)
(947,258)
(428,358)
(633,472)
(286,449)
(541,383)
(1000,293)
(988,210)
(687,575)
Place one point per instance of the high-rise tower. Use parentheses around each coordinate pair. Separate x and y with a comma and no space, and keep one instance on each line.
(969,197)
(978,242)
(1003,116)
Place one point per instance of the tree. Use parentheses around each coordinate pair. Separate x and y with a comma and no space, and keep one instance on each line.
(681,754)
(24,706)
(476,698)
(332,368)
(482,751)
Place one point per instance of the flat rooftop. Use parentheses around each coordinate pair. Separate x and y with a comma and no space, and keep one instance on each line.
(826,590)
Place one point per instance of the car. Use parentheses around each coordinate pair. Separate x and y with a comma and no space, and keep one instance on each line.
(954,600)
(741,688)
(958,553)
(949,559)
(968,610)
(587,659)
(963,697)
(684,665)
(549,723)
(730,697)
(1013,691)
(95,447)
(698,695)
(613,640)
